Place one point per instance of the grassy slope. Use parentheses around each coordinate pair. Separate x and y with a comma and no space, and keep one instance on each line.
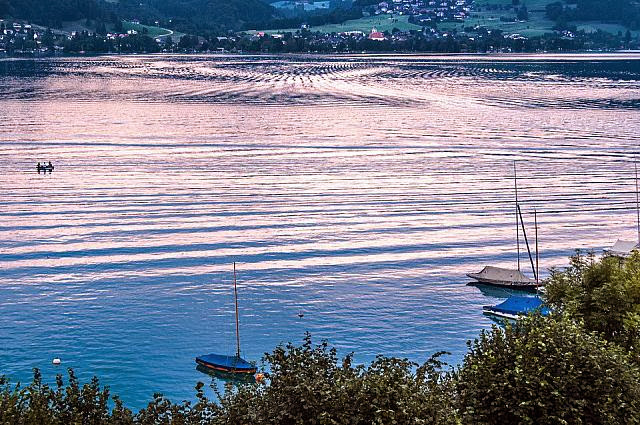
(612,28)
(380,22)
(153,32)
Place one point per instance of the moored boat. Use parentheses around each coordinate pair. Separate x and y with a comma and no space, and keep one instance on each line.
(624,248)
(498,276)
(516,307)
(228,364)
(513,278)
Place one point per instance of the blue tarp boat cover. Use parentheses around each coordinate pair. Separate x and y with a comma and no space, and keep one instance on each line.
(226,362)
(520,305)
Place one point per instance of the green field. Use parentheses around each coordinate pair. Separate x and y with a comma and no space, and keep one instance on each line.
(154,32)
(612,28)
(380,22)
(537,24)
(531,4)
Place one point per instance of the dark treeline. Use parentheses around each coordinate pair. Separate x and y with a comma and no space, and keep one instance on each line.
(307,42)
(335,16)
(310,43)
(492,41)
(85,43)
(54,12)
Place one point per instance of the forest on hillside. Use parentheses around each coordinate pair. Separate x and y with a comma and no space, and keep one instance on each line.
(190,14)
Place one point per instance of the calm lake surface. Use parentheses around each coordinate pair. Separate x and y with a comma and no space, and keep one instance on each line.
(358,190)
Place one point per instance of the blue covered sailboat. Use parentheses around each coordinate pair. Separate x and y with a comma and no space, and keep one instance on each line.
(228,364)
(515,307)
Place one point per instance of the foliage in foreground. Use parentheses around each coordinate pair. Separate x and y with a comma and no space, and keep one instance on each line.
(307,385)
(578,366)
(604,294)
(540,371)
(547,371)
(310,385)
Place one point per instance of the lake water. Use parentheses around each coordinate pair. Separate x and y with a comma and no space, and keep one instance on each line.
(358,190)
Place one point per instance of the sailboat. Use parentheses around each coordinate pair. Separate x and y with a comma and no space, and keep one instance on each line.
(623,248)
(510,278)
(224,363)
(516,307)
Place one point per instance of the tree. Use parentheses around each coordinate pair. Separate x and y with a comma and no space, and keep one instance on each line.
(38,403)
(523,14)
(547,371)
(5,8)
(604,294)
(554,11)
(101,28)
(187,42)
(118,27)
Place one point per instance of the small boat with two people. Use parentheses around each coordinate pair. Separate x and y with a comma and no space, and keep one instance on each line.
(512,278)
(44,167)
(227,365)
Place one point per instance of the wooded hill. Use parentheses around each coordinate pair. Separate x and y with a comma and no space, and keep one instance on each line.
(186,14)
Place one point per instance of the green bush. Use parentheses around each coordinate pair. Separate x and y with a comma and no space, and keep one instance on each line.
(604,294)
(547,370)
(38,403)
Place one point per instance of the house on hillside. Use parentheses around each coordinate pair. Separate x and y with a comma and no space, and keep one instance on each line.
(376,35)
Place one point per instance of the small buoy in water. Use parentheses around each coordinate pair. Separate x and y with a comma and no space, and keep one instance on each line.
(259,378)
(57,361)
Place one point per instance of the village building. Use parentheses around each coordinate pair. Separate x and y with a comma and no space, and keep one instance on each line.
(376,35)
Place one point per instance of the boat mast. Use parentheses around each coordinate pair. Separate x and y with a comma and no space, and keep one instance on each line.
(535,220)
(637,202)
(515,183)
(235,292)
(526,241)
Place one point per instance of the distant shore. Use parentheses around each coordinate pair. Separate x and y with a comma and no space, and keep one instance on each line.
(604,54)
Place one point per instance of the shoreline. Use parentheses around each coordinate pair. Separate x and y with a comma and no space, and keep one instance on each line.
(605,54)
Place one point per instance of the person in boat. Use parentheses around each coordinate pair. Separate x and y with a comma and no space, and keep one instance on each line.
(50,165)
(38,167)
